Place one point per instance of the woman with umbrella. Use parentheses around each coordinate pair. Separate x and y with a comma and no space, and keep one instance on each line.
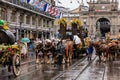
(24,49)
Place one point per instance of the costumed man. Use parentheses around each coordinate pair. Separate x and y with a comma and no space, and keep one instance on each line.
(77,44)
(89,48)
(60,51)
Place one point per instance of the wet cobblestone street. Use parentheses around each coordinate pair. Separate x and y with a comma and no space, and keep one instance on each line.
(77,70)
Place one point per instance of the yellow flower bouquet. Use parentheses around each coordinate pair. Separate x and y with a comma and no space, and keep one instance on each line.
(63,22)
(76,21)
(7,52)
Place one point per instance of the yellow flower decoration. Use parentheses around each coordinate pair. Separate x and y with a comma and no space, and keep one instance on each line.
(76,21)
(15,47)
(5,26)
(63,22)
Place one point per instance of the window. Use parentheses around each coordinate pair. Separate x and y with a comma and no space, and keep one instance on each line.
(3,13)
(39,22)
(13,16)
(21,18)
(33,20)
(28,19)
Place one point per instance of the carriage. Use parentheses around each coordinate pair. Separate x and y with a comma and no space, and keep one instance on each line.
(9,52)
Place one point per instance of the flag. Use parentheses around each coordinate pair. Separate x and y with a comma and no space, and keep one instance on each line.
(28,1)
(35,3)
(55,11)
(31,1)
(45,7)
(49,9)
(58,13)
(42,5)
(59,16)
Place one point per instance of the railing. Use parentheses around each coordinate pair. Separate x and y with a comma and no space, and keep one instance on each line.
(28,6)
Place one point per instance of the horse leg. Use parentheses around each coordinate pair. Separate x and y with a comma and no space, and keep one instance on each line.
(37,58)
(45,58)
(64,58)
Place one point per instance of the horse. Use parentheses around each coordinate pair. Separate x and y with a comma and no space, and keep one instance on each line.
(96,45)
(68,44)
(114,47)
(39,52)
(49,51)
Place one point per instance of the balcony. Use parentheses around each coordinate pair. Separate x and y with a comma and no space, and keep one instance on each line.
(28,7)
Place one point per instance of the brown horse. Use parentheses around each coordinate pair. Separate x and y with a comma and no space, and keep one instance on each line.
(101,49)
(68,44)
(39,52)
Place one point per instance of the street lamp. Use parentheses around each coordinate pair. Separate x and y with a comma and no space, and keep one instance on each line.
(20,29)
(36,30)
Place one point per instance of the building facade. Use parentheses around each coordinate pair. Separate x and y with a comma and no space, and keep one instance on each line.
(102,17)
(25,20)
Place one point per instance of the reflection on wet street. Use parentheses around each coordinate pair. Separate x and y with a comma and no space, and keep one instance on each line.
(77,70)
(113,70)
(94,72)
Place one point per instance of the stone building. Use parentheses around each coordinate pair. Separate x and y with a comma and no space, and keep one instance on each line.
(26,21)
(101,17)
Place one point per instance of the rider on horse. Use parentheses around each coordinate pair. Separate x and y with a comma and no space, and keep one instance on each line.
(77,44)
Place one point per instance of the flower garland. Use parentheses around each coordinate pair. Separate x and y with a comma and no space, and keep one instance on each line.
(8,51)
(63,22)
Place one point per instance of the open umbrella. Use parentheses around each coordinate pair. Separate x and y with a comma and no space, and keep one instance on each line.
(7,37)
(25,40)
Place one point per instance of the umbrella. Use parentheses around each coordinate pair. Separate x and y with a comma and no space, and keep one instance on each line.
(25,40)
(2,22)
(7,37)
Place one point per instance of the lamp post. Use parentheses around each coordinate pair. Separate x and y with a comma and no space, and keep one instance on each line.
(36,29)
(20,30)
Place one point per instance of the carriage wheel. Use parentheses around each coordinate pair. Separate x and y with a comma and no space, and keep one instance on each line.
(16,64)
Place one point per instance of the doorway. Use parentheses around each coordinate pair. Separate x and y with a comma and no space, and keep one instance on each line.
(103,26)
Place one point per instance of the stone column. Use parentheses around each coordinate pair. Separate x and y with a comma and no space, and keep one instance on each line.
(18,17)
(24,19)
(17,22)
(17,33)
(9,14)
(46,23)
(41,22)
(36,26)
